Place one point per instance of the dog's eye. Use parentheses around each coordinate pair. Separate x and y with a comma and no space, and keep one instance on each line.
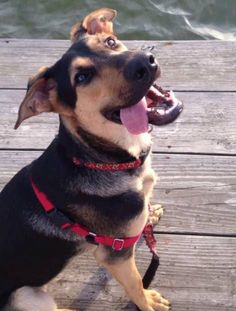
(84,76)
(111,42)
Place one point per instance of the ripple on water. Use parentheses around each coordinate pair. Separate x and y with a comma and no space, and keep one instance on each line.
(140,19)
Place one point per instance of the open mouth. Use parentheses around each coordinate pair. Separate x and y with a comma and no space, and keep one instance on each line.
(157,107)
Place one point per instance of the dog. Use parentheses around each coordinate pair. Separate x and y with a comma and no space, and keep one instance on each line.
(90,189)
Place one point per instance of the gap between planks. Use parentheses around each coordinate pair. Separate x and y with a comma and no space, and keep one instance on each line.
(200,234)
(174,90)
(153,152)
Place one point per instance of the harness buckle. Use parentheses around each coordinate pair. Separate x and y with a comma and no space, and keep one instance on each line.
(118,244)
(90,238)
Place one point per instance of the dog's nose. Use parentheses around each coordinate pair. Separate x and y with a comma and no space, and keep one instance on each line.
(141,67)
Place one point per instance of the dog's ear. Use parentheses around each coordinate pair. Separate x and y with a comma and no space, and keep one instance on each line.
(37,98)
(98,21)
(41,72)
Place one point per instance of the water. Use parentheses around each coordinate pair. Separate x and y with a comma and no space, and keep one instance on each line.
(140,19)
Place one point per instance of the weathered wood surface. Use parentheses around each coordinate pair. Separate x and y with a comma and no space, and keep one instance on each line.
(195,158)
(196,273)
(207,125)
(186,65)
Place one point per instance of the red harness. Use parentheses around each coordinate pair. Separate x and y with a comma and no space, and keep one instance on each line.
(116,243)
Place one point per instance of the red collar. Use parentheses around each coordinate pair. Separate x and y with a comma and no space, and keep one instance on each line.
(109,166)
(64,223)
(134,164)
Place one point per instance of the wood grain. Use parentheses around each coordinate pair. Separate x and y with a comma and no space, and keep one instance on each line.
(207,125)
(196,273)
(198,192)
(186,65)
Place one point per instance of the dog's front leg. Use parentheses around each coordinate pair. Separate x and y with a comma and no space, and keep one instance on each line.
(124,270)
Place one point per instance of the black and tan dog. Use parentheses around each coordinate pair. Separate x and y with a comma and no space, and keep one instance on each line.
(96,172)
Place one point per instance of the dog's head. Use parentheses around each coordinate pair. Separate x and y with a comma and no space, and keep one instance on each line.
(97,86)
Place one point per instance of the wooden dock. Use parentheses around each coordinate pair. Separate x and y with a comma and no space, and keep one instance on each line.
(195,159)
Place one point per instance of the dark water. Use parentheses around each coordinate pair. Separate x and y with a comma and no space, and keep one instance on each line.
(140,19)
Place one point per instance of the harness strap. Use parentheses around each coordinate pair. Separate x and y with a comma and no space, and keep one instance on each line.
(64,222)
(41,196)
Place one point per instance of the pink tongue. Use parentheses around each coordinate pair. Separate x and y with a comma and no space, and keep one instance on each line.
(135,118)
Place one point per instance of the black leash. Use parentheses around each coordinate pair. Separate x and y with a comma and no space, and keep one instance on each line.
(154,264)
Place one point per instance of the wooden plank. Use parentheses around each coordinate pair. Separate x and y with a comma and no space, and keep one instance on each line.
(198,192)
(196,273)
(186,65)
(207,125)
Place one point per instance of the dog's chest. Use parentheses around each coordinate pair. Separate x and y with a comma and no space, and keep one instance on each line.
(110,201)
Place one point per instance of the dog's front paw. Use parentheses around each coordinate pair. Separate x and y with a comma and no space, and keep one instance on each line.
(156,302)
(155,213)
